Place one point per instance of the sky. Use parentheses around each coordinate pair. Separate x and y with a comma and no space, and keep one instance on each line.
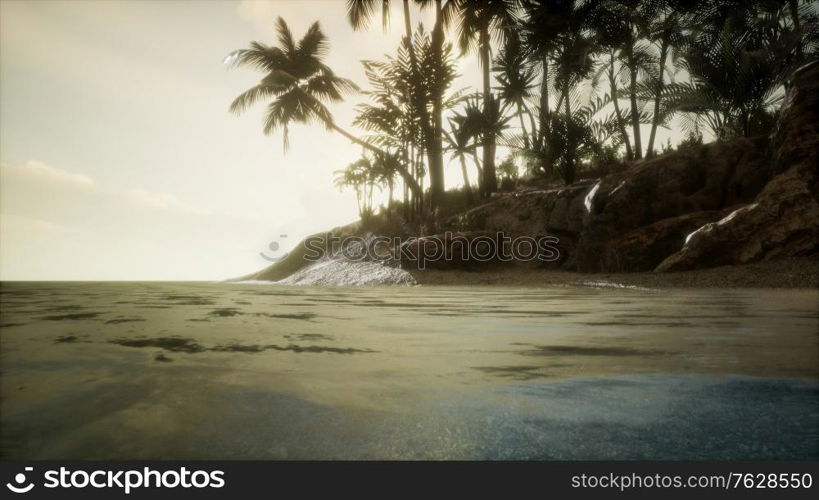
(119,159)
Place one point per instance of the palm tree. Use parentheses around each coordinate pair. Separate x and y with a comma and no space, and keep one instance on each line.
(544,28)
(359,13)
(460,143)
(516,77)
(612,71)
(357,176)
(738,58)
(478,22)
(667,31)
(384,170)
(623,24)
(299,83)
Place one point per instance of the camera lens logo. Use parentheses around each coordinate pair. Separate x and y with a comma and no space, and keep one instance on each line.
(274,246)
(20,478)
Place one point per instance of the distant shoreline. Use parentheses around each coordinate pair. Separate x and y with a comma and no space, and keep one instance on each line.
(789,273)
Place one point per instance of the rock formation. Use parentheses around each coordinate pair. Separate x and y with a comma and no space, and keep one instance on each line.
(783,219)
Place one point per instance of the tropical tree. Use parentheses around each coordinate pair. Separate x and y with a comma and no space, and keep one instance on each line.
(299,84)
(478,23)
(460,144)
(622,26)
(738,58)
(360,13)
(358,175)
(666,30)
(517,76)
(578,78)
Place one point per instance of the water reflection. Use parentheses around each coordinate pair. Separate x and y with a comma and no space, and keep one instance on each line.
(194,370)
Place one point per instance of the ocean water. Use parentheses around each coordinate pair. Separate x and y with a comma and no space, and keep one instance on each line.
(250,371)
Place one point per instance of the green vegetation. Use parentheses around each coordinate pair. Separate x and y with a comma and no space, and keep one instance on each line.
(567,85)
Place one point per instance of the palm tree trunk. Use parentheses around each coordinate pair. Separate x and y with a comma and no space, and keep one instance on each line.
(534,129)
(413,185)
(655,120)
(635,113)
(406,202)
(544,101)
(490,182)
(467,187)
(407,23)
(567,99)
(420,195)
(620,122)
(522,125)
(435,148)
(793,5)
(477,164)
(568,174)
(428,129)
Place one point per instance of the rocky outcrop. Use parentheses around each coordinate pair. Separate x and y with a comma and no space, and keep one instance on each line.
(560,212)
(528,212)
(783,219)
(450,250)
(702,179)
(723,203)
(642,249)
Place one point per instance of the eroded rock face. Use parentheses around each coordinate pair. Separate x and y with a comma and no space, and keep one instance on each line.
(642,249)
(783,219)
(701,179)
(529,212)
(558,212)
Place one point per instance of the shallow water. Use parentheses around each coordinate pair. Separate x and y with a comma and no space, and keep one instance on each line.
(239,371)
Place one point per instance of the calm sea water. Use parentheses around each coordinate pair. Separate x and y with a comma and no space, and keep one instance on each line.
(233,371)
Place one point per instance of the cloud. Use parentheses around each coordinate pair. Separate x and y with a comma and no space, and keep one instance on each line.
(36,182)
(35,171)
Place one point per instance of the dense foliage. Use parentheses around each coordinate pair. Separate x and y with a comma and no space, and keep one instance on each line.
(565,84)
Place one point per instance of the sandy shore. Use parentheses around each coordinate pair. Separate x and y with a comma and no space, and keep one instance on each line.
(784,273)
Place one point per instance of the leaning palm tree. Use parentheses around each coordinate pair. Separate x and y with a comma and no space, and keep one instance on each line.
(299,83)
